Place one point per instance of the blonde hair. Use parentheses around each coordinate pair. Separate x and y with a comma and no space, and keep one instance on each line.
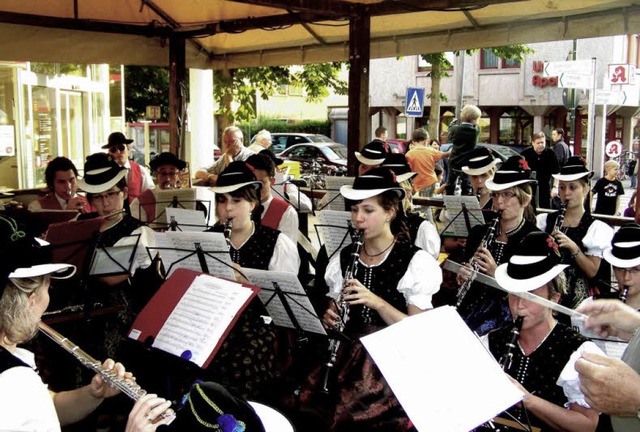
(610,164)
(523,193)
(470,113)
(18,323)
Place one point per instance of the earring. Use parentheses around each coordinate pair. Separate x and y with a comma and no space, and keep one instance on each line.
(387,220)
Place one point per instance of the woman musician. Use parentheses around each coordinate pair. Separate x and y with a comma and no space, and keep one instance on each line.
(581,238)
(624,257)
(393,279)
(484,308)
(481,167)
(27,404)
(542,360)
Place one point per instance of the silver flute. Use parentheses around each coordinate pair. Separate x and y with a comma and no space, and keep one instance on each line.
(129,388)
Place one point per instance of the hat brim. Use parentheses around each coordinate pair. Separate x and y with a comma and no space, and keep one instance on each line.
(272,420)
(235,187)
(405,176)
(513,285)
(572,177)
(127,141)
(367,161)
(618,262)
(97,188)
(352,194)
(482,170)
(57,271)
(493,186)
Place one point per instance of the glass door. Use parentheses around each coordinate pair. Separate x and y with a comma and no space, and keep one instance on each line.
(71,116)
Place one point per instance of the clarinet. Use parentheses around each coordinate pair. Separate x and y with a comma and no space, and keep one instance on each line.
(560,219)
(624,292)
(334,344)
(507,358)
(129,388)
(228,226)
(488,238)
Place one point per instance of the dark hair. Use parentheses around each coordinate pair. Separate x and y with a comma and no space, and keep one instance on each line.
(380,130)
(248,193)
(559,131)
(538,135)
(389,200)
(262,162)
(120,185)
(60,163)
(438,170)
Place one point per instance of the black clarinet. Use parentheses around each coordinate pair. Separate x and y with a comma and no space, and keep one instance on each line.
(228,226)
(624,292)
(560,219)
(507,358)
(488,238)
(334,343)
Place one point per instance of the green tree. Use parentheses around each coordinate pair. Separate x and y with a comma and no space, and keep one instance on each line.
(242,85)
(439,67)
(146,85)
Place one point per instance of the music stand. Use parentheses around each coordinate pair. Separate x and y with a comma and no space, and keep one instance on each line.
(335,201)
(469,209)
(329,230)
(114,260)
(187,199)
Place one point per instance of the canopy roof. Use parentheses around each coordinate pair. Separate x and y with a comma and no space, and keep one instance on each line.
(242,33)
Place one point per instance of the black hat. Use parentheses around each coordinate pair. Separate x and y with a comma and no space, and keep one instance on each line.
(236,175)
(574,169)
(116,138)
(209,405)
(25,256)
(397,162)
(536,263)
(373,153)
(167,158)
(261,162)
(101,173)
(479,161)
(513,172)
(374,182)
(276,160)
(625,247)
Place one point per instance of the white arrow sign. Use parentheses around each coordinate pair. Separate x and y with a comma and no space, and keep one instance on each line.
(608,97)
(570,80)
(577,67)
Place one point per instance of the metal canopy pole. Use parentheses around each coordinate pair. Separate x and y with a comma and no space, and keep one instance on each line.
(177,73)
(359,54)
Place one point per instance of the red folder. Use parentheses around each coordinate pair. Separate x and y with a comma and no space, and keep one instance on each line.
(154,315)
(70,241)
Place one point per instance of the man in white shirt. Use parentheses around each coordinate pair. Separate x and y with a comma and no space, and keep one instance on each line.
(234,150)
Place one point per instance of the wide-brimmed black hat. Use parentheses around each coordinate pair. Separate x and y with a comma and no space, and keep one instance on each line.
(235,176)
(167,158)
(209,405)
(116,138)
(101,173)
(575,168)
(625,247)
(374,182)
(479,161)
(536,263)
(373,153)
(513,172)
(24,255)
(397,162)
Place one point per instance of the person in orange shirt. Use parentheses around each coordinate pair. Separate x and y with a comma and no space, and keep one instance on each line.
(422,159)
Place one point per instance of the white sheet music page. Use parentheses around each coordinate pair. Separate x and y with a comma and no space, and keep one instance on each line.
(201,317)
(188,220)
(332,229)
(334,199)
(454,205)
(294,294)
(440,372)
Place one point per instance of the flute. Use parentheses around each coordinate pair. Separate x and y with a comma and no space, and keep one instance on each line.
(129,388)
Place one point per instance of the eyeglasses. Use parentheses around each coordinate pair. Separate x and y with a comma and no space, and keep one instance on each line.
(504,194)
(632,271)
(167,173)
(118,147)
(110,196)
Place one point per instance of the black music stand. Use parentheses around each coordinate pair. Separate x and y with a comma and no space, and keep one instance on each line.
(467,214)
(114,260)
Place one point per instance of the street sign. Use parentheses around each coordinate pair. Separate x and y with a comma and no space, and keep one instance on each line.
(414,106)
(613,149)
(610,97)
(576,67)
(572,80)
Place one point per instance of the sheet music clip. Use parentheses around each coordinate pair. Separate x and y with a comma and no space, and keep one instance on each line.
(201,258)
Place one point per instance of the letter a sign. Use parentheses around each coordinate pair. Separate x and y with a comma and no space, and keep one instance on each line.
(415,102)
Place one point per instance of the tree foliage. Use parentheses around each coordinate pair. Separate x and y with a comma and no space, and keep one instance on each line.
(146,85)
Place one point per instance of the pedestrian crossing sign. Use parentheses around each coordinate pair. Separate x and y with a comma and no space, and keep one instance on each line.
(414,105)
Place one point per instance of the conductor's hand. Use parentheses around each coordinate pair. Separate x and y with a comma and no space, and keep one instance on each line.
(609,385)
(100,389)
(357,294)
(146,414)
(611,318)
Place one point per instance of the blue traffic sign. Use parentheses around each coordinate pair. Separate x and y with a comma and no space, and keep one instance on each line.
(414,106)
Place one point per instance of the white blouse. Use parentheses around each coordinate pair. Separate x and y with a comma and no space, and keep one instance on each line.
(597,239)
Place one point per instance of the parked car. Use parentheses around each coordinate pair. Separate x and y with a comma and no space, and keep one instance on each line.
(328,154)
(501,151)
(397,145)
(283,140)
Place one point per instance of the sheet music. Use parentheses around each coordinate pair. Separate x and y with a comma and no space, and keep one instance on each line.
(333,198)
(612,346)
(201,317)
(458,226)
(332,230)
(278,187)
(294,294)
(441,378)
(112,260)
(209,241)
(186,199)
(188,220)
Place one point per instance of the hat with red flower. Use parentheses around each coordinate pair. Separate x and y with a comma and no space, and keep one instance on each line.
(513,172)
(536,263)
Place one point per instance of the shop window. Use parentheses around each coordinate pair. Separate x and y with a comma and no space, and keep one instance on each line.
(488,60)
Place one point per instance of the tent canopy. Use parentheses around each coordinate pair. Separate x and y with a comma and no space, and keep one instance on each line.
(241,33)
